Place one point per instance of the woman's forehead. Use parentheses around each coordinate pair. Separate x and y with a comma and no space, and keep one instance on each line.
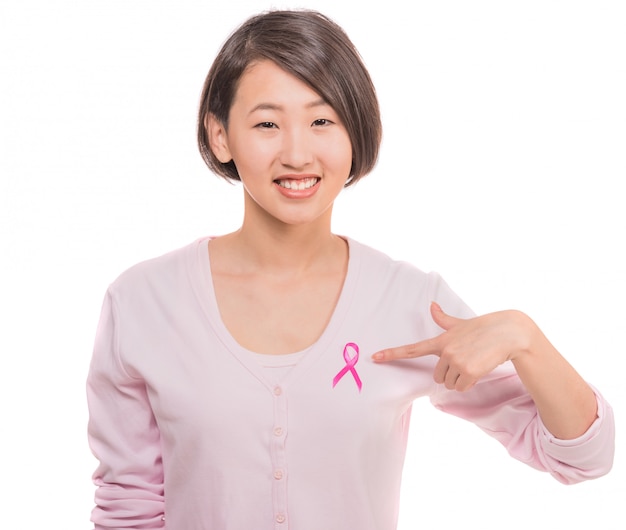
(265,85)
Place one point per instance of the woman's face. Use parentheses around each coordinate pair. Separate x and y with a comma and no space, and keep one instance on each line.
(290,148)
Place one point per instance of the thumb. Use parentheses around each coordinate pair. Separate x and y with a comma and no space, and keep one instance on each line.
(442,319)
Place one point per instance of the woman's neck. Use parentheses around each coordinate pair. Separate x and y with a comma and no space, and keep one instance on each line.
(269,246)
(292,250)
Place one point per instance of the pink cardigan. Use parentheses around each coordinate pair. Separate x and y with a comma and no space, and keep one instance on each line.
(192,434)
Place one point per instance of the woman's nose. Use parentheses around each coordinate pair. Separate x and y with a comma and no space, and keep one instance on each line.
(296,149)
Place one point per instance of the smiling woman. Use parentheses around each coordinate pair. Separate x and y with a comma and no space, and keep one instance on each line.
(255,379)
(285,143)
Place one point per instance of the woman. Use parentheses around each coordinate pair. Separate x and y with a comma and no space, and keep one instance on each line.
(252,380)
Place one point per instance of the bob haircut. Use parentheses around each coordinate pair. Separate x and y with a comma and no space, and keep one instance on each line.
(312,48)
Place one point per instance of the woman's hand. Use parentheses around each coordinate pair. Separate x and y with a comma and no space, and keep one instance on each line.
(468,349)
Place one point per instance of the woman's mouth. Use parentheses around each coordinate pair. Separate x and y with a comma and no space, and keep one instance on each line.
(298,184)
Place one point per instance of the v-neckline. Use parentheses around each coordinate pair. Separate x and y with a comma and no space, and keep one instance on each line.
(208,300)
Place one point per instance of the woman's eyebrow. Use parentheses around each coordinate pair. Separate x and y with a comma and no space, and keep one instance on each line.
(317,103)
(274,106)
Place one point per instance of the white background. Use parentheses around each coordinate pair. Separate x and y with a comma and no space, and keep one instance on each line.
(503,167)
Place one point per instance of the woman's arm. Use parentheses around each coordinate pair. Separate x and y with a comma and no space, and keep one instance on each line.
(124,437)
(469,349)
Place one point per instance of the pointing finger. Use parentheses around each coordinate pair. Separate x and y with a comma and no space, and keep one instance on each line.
(408,351)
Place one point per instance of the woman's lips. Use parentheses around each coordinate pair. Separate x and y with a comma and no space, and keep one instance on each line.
(298,188)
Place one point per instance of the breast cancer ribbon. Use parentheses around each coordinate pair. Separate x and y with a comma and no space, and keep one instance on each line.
(350,365)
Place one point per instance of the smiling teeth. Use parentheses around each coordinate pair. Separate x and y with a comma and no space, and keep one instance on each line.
(303,184)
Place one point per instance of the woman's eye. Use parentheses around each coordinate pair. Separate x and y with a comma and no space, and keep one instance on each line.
(322,121)
(266,125)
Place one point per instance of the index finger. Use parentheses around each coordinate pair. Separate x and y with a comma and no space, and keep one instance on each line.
(408,351)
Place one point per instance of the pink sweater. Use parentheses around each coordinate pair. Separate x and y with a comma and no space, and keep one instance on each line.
(193,432)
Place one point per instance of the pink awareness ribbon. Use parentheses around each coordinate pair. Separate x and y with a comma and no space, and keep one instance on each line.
(350,365)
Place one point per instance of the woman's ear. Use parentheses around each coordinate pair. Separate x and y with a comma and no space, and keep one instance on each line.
(218,142)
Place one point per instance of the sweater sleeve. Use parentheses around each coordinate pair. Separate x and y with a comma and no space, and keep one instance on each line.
(123,436)
(500,405)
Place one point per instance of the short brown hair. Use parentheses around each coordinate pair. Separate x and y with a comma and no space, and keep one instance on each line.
(312,48)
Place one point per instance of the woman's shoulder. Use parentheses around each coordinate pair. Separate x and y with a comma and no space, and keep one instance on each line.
(405,281)
(378,262)
(162,269)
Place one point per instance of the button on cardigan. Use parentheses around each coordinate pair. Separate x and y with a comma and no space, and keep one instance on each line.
(192,432)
